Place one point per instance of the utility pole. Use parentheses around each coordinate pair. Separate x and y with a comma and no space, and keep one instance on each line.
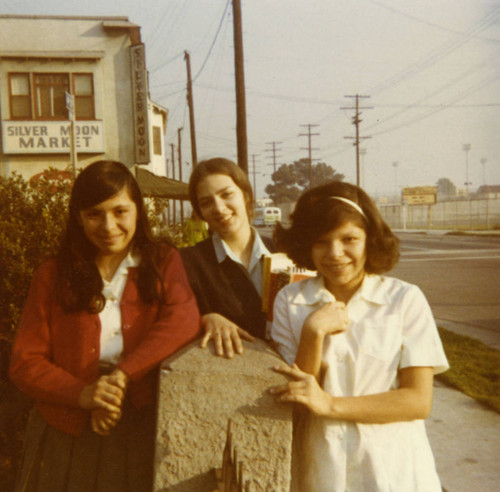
(241,116)
(483,163)
(172,147)
(309,135)
(179,152)
(466,148)
(395,165)
(254,173)
(191,109)
(273,150)
(168,201)
(356,121)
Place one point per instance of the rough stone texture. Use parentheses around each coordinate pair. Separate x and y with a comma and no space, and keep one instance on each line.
(198,394)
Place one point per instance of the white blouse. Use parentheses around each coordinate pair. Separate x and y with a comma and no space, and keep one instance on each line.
(111,318)
(391,327)
(259,250)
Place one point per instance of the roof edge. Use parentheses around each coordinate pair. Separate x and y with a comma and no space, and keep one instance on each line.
(67,55)
(65,17)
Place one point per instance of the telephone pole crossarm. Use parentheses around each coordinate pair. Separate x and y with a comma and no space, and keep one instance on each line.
(309,135)
(273,150)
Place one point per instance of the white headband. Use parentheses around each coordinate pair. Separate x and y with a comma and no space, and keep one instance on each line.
(351,203)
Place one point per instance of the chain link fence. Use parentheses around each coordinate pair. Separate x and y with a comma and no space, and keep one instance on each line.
(473,213)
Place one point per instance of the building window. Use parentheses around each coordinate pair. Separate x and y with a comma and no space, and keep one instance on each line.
(156,140)
(50,100)
(20,96)
(41,96)
(83,89)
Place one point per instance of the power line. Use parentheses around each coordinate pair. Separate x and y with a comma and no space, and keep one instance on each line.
(448,104)
(213,42)
(433,58)
(431,24)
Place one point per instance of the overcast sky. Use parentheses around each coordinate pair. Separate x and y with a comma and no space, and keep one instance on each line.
(431,69)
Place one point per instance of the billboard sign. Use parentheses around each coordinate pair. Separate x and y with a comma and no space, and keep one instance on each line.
(419,195)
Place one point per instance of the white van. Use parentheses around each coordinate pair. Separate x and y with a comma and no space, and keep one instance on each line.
(267,216)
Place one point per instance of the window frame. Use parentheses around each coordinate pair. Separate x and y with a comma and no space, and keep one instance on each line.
(157,136)
(83,96)
(11,75)
(34,101)
(37,100)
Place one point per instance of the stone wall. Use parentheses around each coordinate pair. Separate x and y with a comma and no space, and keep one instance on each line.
(199,393)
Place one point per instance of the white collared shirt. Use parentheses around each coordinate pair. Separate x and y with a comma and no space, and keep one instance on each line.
(391,327)
(259,249)
(111,341)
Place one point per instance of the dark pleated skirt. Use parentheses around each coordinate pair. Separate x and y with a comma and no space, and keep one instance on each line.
(121,462)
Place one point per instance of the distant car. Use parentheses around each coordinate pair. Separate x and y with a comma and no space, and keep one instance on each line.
(267,216)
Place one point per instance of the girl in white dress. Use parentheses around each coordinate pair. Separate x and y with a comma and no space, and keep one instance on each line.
(362,348)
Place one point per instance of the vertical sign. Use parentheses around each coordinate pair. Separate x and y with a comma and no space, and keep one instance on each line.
(140,103)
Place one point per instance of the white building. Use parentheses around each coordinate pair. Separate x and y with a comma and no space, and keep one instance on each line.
(100,61)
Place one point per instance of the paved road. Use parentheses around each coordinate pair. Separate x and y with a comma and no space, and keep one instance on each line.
(460,276)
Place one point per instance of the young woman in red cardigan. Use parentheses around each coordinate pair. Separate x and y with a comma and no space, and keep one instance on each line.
(98,320)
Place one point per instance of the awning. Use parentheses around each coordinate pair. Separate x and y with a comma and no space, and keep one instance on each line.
(159,186)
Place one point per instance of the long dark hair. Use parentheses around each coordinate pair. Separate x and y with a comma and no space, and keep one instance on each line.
(316,213)
(79,283)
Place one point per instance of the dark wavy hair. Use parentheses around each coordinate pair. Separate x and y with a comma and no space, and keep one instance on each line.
(79,283)
(316,213)
(219,165)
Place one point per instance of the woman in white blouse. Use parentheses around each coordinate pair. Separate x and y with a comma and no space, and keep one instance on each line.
(363,349)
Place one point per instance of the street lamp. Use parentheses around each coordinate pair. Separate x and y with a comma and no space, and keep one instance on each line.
(483,162)
(362,153)
(466,148)
(395,166)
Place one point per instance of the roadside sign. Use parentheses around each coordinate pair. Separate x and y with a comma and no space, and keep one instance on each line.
(419,195)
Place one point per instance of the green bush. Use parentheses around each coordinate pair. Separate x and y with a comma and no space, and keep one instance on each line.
(32,218)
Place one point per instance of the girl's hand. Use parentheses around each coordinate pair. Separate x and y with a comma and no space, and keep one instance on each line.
(329,319)
(107,393)
(304,390)
(226,335)
(119,379)
(103,421)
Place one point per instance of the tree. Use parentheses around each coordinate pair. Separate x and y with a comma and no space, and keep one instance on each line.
(32,217)
(290,180)
(445,187)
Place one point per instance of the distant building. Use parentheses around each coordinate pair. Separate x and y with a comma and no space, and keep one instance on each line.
(100,61)
(488,191)
(263,202)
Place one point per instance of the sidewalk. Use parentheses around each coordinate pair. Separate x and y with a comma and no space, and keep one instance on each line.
(464,435)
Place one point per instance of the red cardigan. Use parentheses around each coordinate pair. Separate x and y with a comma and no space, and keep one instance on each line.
(56,354)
